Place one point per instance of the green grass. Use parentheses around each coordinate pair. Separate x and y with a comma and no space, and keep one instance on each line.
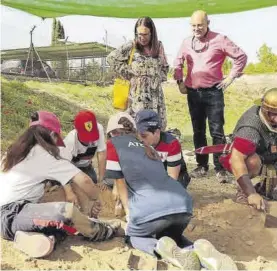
(65,100)
(92,97)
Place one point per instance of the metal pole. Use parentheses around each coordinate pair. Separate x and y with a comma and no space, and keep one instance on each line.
(30,52)
(28,56)
(42,65)
(67,58)
(106,39)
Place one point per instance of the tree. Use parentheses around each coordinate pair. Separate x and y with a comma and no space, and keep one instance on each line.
(57,34)
(267,62)
(60,30)
(54,25)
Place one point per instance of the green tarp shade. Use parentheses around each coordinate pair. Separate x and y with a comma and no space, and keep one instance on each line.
(133,8)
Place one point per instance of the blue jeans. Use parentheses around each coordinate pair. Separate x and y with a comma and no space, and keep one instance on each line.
(26,216)
(145,236)
(53,218)
(206,104)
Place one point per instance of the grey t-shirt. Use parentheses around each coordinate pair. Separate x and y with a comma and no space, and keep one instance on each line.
(151,192)
(251,127)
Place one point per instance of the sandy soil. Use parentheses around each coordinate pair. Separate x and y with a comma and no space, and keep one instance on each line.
(234,229)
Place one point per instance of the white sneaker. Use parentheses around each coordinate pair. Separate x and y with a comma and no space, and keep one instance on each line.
(170,252)
(212,259)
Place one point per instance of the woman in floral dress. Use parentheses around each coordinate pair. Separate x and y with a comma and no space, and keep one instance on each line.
(147,70)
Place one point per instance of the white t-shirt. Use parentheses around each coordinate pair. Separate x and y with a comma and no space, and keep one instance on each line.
(79,154)
(24,180)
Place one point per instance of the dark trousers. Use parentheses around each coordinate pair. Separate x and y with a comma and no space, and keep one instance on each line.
(207,104)
(184,177)
(89,170)
(145,236)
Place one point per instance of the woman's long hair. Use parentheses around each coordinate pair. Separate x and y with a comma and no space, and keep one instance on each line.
(130,129)
(154,42)
(23,145)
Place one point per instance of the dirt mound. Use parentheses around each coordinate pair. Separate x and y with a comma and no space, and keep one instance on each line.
(235,229)
(107,201)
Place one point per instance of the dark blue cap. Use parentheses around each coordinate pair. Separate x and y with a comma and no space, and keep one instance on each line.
(146,119)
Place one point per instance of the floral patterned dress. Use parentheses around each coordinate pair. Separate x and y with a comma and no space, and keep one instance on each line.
(146,75)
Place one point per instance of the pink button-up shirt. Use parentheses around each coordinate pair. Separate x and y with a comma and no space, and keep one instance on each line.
(205,67)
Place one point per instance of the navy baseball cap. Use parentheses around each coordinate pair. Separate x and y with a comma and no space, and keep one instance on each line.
(146,119)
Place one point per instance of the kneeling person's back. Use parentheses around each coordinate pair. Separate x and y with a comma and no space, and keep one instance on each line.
(151,192)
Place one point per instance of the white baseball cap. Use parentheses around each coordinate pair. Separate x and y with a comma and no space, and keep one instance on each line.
(113,121)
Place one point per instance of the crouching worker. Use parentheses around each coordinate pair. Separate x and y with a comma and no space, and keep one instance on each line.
(168,147)
(158,208)
(254,152)
(31,159)
(84,142)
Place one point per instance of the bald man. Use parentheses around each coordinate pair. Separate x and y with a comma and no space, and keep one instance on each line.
(204,53)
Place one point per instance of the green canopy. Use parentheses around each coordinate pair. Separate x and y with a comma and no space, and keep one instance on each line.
(133,8)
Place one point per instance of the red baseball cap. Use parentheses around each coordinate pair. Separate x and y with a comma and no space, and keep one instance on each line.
(86,125)
(51,122)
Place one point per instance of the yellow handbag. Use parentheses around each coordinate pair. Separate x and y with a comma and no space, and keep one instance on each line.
(121,89)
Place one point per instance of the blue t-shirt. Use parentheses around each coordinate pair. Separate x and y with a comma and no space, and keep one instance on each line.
(151,192)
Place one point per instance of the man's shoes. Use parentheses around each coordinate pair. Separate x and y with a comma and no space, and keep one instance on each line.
(199,172)
(182,258)
(211,258)
(221,176)
(34,244)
